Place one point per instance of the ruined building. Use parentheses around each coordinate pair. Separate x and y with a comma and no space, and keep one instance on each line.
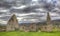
(48,25)
(33,27)
(27,27)
(12,24)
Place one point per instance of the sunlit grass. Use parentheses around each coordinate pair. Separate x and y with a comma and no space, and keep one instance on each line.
(18,33)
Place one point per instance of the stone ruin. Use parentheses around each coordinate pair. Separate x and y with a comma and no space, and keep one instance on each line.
(12,24)
(48,27)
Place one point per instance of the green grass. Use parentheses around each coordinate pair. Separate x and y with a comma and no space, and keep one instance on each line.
(17,33)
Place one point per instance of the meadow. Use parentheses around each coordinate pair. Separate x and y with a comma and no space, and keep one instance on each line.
(18,33)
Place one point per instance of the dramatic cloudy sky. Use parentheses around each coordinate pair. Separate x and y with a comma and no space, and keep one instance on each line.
(29,10)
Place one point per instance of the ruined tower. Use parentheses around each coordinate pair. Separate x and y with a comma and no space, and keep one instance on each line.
(12,23)
(48,23)
(47,27)
(48,18)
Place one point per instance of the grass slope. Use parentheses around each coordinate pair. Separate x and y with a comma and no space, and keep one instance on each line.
(17,33)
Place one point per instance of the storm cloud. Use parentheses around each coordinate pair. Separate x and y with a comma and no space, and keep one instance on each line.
(29,10)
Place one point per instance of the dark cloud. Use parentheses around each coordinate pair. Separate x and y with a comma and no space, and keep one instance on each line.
(5,5)
(33,10)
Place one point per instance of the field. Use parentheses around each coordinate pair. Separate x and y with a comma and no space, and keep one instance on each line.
(17,33)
